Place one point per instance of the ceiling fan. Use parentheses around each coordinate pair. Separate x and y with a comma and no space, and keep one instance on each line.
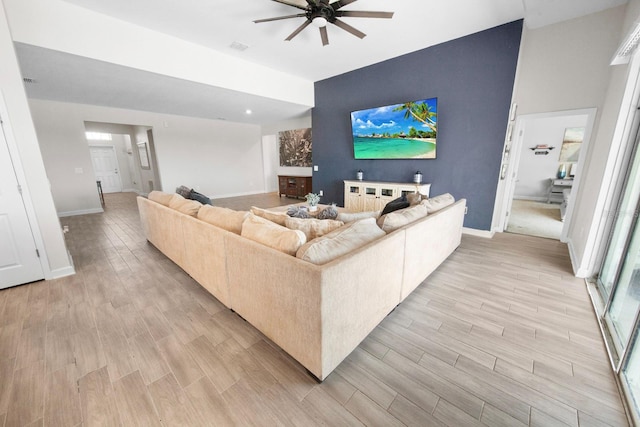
(321,12)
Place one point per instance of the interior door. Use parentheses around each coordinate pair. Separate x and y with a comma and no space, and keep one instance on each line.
(105,166)
(19,260)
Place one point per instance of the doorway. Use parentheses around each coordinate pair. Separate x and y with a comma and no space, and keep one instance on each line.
(543,175)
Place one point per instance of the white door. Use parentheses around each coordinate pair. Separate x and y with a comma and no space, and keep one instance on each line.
(105,166)
(19,261)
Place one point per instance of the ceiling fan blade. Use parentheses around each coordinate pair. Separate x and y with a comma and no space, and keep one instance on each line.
(298,30)
(291,4)
(341,3)
(299,15)
(363,14)
(324,36)
(349,28)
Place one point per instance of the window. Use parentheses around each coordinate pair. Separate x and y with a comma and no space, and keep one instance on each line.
(98,136)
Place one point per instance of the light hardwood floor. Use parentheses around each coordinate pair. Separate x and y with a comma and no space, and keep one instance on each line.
(500,335)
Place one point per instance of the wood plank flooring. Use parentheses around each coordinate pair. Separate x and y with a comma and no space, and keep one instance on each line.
(501,334)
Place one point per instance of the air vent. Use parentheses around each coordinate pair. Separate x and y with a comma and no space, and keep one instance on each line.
(29,80)
(239,46)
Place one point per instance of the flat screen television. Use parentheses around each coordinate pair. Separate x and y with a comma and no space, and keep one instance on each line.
(400,131)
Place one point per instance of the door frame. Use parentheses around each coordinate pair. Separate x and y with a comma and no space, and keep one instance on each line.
(505,198)
(14,153)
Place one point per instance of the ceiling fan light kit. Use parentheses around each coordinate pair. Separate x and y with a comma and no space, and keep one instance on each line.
(321,12)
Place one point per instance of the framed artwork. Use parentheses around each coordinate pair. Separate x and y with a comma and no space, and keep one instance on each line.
(144,155)
(295,147)
(571,143)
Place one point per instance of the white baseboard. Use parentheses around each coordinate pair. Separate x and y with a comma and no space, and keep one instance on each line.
(578,271)
(80,212)
(478,233)
(249,193)
(61,272)
(531,198)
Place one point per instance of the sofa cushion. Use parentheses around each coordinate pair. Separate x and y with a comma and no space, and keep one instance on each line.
(341,241)
(188,207)
(397,219)
(396,204)
(312,227)
(436,203)
(277,217)
(160,197)
(273,235)
(225,218)
(348,217)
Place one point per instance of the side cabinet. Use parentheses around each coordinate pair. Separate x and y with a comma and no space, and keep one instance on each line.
(362,196)
(294,186)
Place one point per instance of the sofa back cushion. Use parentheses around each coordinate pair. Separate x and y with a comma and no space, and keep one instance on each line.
(397,219)
(434,204)
(277,217)
(341,241)
(312,227)
(188,207)
(160,197)
(225,218)
(273,235)
(347,217)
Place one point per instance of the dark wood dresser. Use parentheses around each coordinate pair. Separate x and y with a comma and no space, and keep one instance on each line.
(294,186)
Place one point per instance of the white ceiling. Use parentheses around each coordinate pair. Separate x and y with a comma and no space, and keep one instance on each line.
(216,24)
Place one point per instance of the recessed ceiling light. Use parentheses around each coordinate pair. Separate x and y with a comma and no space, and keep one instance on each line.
(248,111)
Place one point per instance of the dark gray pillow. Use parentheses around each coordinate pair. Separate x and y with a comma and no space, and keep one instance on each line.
(194,195)
(396,204)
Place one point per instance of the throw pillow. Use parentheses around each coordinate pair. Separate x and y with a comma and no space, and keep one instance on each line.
(188,207)
(312,227)
(330,212)
(277,217)
(298,212)
(160,197)
(340,242)
(273,235)
(434,204)
(194,195)
(184,191)
(348,217)
(227,219)
(394,205)
(397,219)
(414,198)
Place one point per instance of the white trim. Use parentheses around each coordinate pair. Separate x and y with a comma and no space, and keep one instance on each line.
(531,198)
(62,272)
(248,193)
(613,176)
(478,233)
(577,271)
(80,212)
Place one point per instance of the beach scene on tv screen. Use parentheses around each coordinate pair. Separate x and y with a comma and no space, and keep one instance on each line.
(400,131)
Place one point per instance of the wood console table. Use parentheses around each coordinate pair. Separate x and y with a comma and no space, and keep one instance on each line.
(294,186)
(362,196)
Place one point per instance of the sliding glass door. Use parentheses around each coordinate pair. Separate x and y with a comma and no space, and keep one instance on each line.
(619,283)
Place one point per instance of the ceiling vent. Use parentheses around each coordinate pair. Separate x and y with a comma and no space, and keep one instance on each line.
(29,80)
(239,46)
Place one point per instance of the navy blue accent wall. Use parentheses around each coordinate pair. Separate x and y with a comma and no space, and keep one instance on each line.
(472,77)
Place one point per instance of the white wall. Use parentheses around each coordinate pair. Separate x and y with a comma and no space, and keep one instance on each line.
(534,171)
(565,67)
(217,158)
(18,118)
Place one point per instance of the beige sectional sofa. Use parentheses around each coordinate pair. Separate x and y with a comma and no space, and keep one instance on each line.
(316,313)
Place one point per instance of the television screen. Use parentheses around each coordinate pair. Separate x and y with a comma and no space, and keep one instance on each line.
(400,131)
